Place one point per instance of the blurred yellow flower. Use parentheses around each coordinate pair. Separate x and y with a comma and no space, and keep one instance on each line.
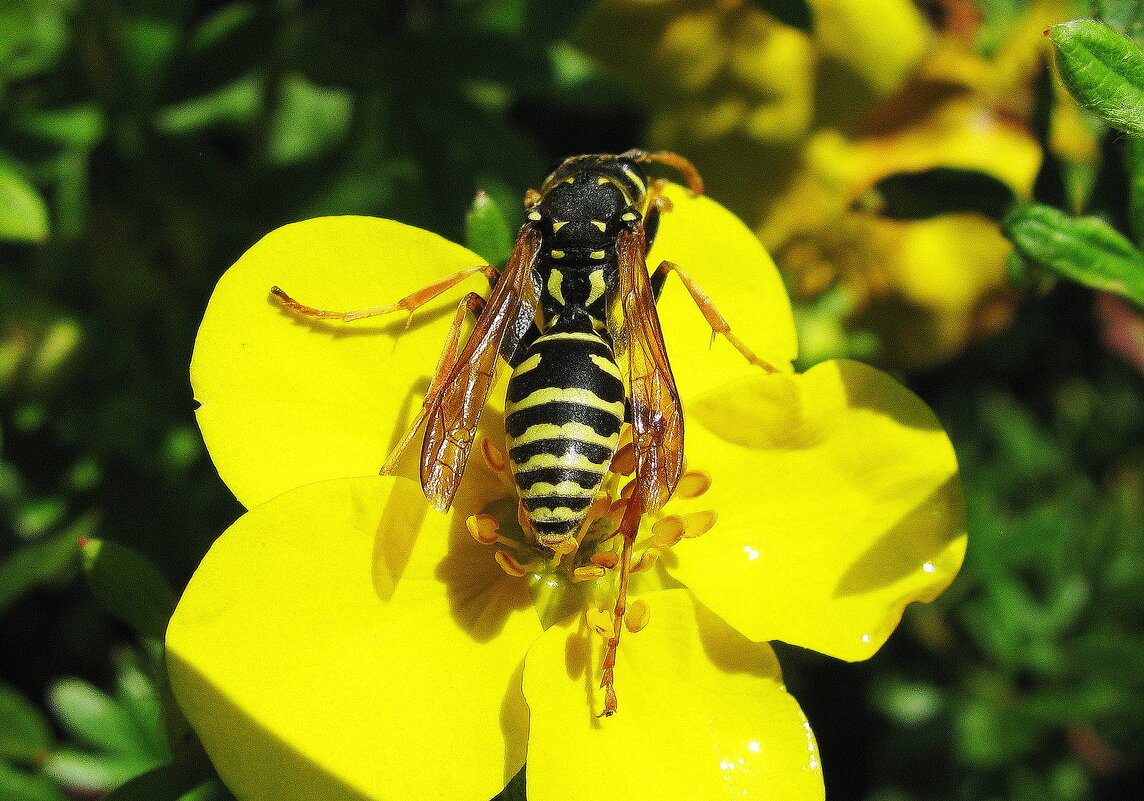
(792,131)
(344,641)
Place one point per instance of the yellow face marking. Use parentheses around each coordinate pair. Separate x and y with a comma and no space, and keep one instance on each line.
(635,179)
(556,254)
(596,286)
(556,286)
(558,224)
(631,215)
(571,179)
(534,215)
(601,181)
(596,254)
(603,226)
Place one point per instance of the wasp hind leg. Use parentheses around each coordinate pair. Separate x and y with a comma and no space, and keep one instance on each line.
(711,314)
(409,303)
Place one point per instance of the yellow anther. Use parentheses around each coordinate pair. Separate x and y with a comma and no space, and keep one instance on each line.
(693,484)
(484,528)
(608,559)
(624,462)
(638,615)
(509,564)
(495,458)
(522,518)
(667,531)
(587,573)
(645,561)
(698,523)
(601,621)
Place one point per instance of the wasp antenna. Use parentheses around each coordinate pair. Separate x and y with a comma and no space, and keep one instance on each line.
(678,162)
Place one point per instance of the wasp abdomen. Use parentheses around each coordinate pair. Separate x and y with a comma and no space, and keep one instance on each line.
(565,409)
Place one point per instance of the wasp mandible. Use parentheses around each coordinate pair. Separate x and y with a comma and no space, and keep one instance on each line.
(573,313)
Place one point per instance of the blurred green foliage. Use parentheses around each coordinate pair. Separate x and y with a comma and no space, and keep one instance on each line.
(144,144)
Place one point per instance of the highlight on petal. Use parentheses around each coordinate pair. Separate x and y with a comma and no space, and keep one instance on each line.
(344,641)
(703,714)
(839,503)
(730,264)
(288,400)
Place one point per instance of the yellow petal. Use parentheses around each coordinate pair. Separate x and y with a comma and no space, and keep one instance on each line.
(702,714)
(880,40)
(732,267)
(838,500)
(285,400)
(343,641)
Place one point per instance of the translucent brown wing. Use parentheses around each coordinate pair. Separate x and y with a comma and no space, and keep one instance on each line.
(657,415)
(453,416)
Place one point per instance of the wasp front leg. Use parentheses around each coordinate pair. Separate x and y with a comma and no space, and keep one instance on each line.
(409,303)
(711,314)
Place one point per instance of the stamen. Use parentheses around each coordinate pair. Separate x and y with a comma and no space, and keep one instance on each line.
(606,559)
(509,564)
(565,547)
(637,615)
(588,573)
(698,523)
(484,528)
(667,531)
(624,462)
(693,484)
(601,621)
(495,458)
(645,561)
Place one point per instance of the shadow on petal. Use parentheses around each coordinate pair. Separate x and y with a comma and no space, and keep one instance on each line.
(252,760)
(916,542)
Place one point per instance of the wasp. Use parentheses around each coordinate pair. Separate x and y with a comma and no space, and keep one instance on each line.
(573,313)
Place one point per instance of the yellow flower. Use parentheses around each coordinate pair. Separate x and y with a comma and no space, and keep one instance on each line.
(793,130)
(344,641)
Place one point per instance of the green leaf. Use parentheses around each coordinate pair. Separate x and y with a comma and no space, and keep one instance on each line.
(36,563)
(1085,249)
(18,785)
(486,231)
(129,586)
(32,37)
(1134,164)
(1126,16)
(80,127)
(23,213)
(164,783)
(796,13)
(85,773)
(941,190)
(310,120)
(1103,70)
(24,734)
(94,718)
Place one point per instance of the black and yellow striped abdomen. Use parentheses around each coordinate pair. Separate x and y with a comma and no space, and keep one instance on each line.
(564,412)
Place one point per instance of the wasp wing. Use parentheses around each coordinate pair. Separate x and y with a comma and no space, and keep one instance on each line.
(657,415)
(453,416)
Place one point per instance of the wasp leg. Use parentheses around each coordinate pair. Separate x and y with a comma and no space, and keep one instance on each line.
(715,319)
(409,303)
(629,526)
(471,303)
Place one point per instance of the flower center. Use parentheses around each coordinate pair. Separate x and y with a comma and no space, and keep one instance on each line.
(581,573)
